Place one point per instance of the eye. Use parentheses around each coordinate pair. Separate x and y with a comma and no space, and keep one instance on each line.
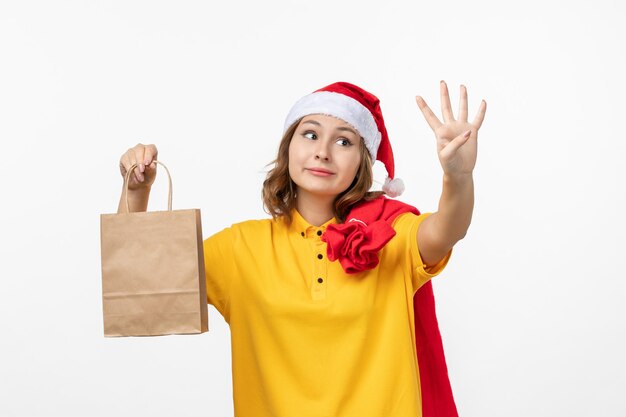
(344,142)
(310,135)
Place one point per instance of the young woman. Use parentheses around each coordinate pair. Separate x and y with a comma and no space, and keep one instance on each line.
(330,302)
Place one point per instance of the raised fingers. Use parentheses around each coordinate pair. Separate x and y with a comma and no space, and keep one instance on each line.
(463,104)
(430,117)
(480,115)
(446,108)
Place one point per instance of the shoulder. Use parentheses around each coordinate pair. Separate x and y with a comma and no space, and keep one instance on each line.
(248,229)
(243,241)
(405,240)
(258,224)
(407,221)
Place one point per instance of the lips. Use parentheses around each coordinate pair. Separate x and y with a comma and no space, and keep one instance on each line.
(320,172)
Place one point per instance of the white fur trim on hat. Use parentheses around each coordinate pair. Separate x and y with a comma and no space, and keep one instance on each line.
(340,106)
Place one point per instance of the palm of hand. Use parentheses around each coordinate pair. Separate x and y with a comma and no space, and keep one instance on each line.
(456,139)
(461,160)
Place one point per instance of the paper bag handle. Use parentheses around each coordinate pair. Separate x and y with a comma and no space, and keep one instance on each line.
(169,177)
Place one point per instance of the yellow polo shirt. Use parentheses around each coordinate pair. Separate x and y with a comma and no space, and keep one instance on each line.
(309,340)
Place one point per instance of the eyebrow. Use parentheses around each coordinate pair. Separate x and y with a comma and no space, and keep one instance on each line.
(343,128)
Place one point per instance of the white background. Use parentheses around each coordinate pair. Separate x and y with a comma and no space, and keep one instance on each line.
(531,305)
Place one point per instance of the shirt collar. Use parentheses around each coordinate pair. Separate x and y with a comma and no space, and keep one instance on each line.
(303,228)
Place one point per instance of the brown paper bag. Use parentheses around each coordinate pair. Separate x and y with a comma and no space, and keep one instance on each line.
(153,280)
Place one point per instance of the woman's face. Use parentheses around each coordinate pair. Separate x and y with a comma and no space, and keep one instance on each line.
(324,155)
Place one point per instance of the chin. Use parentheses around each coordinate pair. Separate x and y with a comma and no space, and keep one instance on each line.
(323,191)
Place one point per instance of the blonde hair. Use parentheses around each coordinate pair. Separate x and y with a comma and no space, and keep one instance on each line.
(279,190)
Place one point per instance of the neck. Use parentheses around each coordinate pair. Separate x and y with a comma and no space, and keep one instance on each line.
(315,209)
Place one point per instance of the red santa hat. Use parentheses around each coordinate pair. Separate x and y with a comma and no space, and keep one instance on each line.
(360,109)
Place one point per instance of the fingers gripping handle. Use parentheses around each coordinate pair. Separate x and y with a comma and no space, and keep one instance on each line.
(169,178)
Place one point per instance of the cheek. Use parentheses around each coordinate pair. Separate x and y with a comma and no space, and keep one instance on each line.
(355,163)
(356,166)
(293,150)
(293,162)
(352,168)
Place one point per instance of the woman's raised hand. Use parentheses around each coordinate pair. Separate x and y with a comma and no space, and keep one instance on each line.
(143,176)
(456,139)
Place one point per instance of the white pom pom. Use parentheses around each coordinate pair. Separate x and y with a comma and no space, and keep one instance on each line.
(393,187)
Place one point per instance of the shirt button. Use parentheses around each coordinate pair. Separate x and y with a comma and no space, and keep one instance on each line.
(320,280)
(320,256)
(319,233)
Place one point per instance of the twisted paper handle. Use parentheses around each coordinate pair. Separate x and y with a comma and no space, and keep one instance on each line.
(169,177)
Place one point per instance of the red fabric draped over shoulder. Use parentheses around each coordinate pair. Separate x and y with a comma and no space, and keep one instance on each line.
(356,244)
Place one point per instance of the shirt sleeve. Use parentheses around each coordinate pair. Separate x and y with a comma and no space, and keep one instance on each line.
(219,262)
(406,226)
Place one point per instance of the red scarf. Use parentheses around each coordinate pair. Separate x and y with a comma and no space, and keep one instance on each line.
(356,244)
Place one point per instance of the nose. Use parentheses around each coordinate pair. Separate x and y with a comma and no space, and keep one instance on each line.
(323,156)
(322,153)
